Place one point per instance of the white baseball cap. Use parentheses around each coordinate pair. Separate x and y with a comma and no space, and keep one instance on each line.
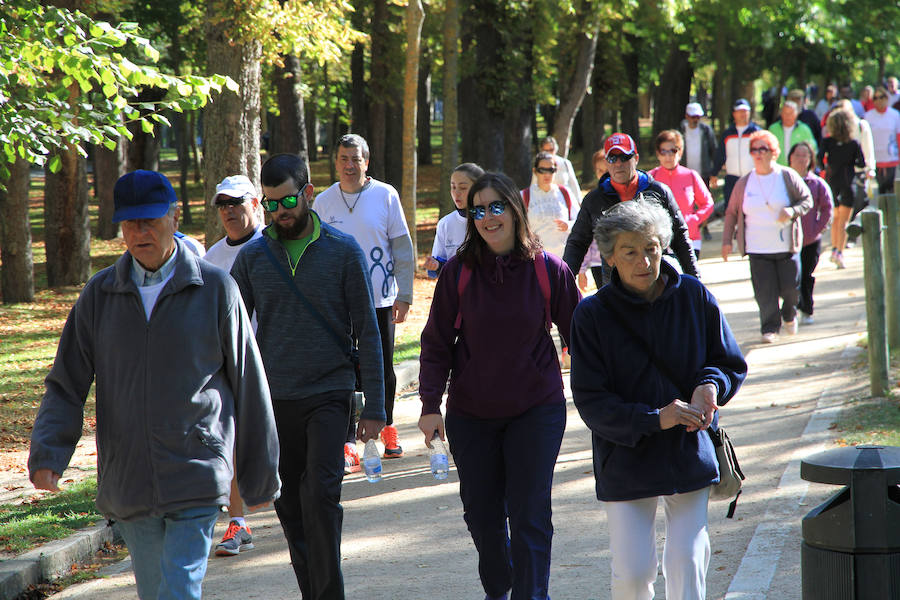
(694,110)
(235,186)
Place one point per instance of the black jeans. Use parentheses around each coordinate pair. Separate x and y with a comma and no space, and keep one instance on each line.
(809,258)
(311,434)
(775,276)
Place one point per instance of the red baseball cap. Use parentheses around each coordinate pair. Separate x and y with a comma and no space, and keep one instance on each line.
(621,142)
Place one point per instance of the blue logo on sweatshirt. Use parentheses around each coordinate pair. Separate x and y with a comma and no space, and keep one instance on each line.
(388,270)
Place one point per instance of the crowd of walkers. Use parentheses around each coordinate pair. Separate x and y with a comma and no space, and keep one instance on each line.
(272,360)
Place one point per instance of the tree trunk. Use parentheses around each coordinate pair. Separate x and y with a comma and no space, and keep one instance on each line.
(378,109)
(674,90)
(588,132)
(415,14)
(630,110)
(17,271)
(142,151)
(311,121)
(517,136)
(574,90)
(109,165)
(359,98)
(195,152)
(449,128)
(67,234)
(288,129)
(231,124)
(423,112)
(183,151)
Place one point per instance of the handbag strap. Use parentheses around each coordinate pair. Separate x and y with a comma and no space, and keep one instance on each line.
(305,301)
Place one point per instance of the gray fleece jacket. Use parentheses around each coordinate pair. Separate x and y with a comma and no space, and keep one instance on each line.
(301,356)
(170,391)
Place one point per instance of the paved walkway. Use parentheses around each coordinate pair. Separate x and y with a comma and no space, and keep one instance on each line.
(404,537)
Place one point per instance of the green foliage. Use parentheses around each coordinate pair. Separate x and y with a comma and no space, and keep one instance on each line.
(66,79)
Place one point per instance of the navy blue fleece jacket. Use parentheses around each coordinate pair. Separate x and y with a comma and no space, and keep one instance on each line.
(619,391)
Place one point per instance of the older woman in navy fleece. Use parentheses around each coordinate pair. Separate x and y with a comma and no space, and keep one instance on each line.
(649,439)
(488,330)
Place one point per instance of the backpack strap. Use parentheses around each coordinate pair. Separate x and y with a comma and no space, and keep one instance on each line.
(568,198)
(543,276)
(462,280)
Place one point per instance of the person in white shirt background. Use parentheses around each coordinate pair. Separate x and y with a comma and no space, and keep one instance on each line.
(565,172)
(241,215)
(552,208)
(451,229)
(885,124)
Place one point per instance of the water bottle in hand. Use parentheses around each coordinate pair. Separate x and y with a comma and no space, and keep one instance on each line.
(372,462)
(440,466)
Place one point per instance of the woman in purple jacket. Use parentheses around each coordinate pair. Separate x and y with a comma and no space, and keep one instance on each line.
(488,331)
(802,159)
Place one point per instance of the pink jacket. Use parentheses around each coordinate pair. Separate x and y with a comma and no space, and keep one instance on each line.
(690,192)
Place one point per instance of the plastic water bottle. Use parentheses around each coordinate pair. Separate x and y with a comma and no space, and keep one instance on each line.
(440,466)
(372,462)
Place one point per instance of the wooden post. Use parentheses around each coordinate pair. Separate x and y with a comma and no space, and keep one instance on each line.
(890,208)
(875,311)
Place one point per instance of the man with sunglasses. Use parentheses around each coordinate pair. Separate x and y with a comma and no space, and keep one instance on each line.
(309,286)
(370,211)
(238,207)
(623,182)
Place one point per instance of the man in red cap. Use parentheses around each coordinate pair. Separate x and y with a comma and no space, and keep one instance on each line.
(624,181)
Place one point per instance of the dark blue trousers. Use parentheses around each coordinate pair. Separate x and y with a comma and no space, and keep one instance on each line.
(505,474)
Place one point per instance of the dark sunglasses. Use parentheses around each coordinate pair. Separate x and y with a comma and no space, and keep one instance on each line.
(880,97)
(545,169)
(759,149)
(668,152)
(224,201)
(614,158)
(288,202)
(497,208)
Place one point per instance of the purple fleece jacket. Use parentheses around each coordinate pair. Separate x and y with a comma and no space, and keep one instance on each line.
(504,361)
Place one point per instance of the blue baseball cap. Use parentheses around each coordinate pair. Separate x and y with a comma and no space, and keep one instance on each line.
(741,104)
(142,195)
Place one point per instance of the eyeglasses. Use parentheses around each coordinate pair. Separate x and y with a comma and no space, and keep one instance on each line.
(288,202)
(759,149)
(545,170)
(668,152)
(497,208)
(223,202)
(880,97)
(614,158)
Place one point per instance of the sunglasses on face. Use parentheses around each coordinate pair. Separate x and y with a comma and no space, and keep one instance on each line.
(545,170)
(497,208)
(880,97)
(760,149)
(288,202)
(668,152)
(226,201)
(614,158)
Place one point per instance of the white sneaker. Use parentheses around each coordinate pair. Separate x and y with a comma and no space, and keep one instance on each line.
(769,338)
(790,327)
(806,319)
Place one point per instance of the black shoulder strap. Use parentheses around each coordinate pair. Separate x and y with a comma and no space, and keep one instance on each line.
(303,300)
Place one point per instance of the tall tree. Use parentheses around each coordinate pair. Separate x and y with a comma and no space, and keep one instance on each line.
(67,234)
(288,129)
(415,14)
(450,130)
(17,275)
(109,165)
(674,90)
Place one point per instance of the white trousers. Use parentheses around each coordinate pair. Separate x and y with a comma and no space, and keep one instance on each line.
(632,542)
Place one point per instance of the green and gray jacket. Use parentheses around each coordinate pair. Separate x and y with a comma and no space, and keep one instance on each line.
(301,356)
(169,392)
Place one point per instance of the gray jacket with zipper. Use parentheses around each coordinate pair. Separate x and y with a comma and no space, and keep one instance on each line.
(169,391)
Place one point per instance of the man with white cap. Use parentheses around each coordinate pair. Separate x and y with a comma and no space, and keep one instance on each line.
(179,383)
(623,182)
(239,210)
(699,142)
(734,150)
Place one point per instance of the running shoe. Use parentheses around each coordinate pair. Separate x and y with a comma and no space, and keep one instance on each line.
(838,260)
(236,539)
(806,319)
(351,458)
(790,327)
(769,338)
(389,438)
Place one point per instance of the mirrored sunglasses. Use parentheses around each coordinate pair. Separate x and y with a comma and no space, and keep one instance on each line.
(614,158)
(288,202)
(497,208)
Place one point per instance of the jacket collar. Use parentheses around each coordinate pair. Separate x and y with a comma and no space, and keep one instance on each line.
(187,272)
(605,184)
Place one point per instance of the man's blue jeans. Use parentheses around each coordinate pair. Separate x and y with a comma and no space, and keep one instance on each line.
(169,553)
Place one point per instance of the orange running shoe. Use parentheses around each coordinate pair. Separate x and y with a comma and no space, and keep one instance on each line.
(392,448)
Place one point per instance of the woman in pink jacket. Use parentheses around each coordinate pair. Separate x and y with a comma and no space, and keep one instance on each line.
(687,186)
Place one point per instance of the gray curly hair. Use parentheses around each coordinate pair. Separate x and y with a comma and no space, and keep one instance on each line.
(641,216)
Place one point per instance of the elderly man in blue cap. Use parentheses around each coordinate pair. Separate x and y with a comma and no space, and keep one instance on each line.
(168,340)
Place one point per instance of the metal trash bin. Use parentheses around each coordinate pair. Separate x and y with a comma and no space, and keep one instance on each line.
(851,542)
